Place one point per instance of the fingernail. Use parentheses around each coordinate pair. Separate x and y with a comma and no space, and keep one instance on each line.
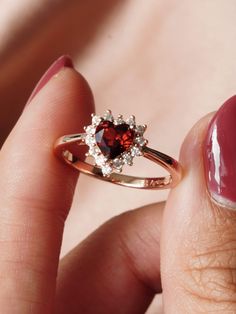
(220,155)
(63,61)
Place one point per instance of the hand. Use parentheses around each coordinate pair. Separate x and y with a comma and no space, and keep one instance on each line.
(117,268)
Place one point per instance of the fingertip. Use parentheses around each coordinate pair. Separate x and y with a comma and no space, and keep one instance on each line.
(67,95)
(56,66)
(196,234)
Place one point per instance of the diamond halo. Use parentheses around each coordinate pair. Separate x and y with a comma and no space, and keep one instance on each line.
(109,165)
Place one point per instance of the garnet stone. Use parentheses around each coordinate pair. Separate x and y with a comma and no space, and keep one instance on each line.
(112,139)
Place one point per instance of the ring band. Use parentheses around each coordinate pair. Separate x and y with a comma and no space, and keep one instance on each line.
(113,143)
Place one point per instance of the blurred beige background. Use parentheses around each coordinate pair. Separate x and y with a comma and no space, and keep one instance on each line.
(167,61)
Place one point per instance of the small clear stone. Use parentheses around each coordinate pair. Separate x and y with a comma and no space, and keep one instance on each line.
(106,170)
(96,120)
(140,129)
(131,120)
(136,151)
(90,129)
(93,151)
(90,140)
(118,163)
(100,160)
(83,136)
(128,159)
(141,141)
(108,116)
(119,120)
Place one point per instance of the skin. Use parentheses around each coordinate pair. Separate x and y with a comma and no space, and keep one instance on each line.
(197,75)
(180,64)
(123,256)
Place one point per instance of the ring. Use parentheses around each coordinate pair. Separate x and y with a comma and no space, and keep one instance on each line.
(114,143)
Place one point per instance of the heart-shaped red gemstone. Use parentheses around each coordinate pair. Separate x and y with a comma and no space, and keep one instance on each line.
(112,139)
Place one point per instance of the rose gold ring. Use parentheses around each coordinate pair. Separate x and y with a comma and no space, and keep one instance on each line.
(114,143)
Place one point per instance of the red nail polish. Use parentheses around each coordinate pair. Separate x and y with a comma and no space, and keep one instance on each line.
(63,61)
(220,155)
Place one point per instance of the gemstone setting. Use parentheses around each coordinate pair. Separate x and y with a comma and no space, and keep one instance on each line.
(114,143)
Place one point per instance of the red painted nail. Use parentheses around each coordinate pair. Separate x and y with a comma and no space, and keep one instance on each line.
(63,61)
(220,155)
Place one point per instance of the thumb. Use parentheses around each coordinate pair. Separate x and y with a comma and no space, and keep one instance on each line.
(198,246)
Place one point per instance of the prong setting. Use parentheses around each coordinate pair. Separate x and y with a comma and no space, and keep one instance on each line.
(108,115)
(119,120)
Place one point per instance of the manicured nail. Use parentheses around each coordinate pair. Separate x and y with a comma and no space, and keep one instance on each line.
(220,155)
(63,61)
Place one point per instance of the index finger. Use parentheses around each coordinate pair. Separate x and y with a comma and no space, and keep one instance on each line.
(36,191)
